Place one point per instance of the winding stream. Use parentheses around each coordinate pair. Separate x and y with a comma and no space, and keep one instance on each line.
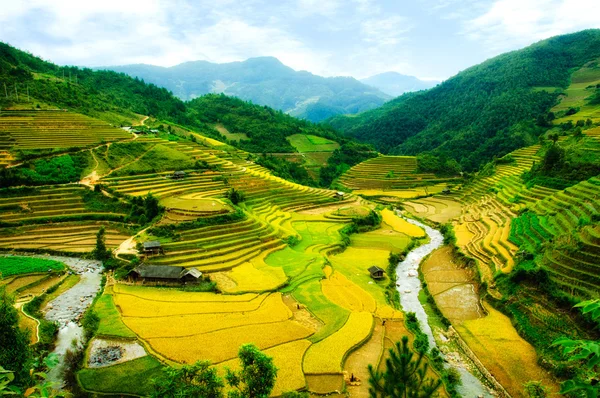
(409,285)
(69,307)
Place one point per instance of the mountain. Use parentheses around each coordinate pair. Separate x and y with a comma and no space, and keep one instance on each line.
(119,98)
(396,84)
(485,111)
(264,81)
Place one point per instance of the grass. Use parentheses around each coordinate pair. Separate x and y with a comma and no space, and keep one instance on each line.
(229,135)
(15,265)
(132,377)
(110,319)
(312,143)
(159,158)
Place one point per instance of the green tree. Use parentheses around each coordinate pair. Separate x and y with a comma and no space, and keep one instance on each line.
(256,377)
(553,158)
(152,207)
(535,389)
(189,381)
(586,352)
(404,376)
(101,252)
(15,353)
(235,196)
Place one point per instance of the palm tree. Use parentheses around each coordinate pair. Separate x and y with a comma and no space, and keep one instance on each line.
(404,376)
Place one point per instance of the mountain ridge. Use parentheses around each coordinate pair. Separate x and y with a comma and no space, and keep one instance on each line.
(483,112)
(264,81)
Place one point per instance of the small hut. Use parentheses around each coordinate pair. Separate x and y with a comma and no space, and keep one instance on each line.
(178,175)
(376,272)
(340,195)
(164,274)
(152,247)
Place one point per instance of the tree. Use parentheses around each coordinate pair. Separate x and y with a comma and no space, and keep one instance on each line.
(553,158)
(15,353)
(256,377)
(152,207)
(586,352)
(101,252)
(535,389)
(404,376)
(236,196)
(197,380)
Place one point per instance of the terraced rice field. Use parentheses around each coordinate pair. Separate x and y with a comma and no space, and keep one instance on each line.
(509,358)
(74,237)
(385,173)
(452,286)
(180,319)
(53,129)
(45,204)
(562,216)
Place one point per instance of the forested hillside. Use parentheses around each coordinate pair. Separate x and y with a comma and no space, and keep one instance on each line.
(485,111)
(264,81)
(115,97)
(83,90)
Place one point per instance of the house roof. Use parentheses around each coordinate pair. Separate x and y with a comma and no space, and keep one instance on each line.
(151,244)
(193,272)
(340,193)
(165,271)
(159,271)
(179,173)
(374,269)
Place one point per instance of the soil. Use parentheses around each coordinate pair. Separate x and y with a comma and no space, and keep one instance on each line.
(111,352)
(301,314)
(357,361)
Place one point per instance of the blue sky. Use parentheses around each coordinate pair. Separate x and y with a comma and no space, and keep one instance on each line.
(431,39)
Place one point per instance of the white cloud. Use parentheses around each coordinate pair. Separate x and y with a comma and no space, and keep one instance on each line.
(512,23)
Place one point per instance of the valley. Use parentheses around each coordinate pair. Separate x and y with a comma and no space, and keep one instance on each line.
(220,223)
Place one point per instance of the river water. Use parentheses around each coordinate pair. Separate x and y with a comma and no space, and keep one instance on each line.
(68,308)
(409,285)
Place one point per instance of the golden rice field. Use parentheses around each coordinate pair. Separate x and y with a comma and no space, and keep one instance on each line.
(399,224)
(347,294)
(509,358)
(327,356)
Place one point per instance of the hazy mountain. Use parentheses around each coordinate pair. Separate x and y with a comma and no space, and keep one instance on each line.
(264,81)
(396,84)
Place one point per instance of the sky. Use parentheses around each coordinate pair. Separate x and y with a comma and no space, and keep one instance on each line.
(430,39)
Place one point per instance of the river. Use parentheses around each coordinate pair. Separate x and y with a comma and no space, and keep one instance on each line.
(69,307)
(409,285)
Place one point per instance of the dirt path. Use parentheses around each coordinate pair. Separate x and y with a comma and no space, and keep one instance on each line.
(19,306)
(142,122)
(91,179)
(128,246)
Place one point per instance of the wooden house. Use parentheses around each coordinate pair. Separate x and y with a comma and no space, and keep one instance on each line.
(152,247)
(376,272)
(148,273)
(340,195)
(178,175)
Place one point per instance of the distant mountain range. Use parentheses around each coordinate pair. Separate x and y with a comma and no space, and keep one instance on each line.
(266,81)
(396,84)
